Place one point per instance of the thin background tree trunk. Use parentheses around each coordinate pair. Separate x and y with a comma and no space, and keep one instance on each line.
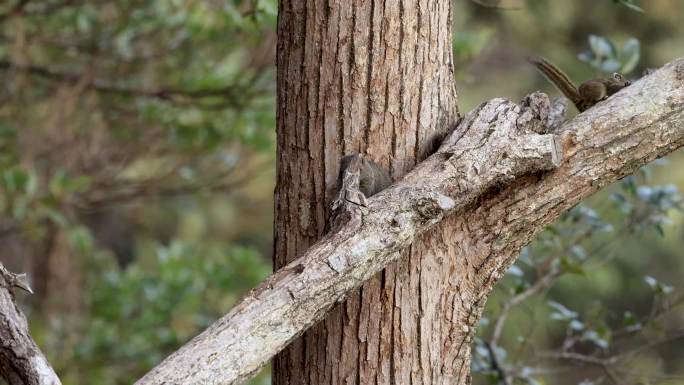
(377,78)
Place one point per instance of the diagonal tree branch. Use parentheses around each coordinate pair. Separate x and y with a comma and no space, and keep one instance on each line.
(492,146)
(607,142)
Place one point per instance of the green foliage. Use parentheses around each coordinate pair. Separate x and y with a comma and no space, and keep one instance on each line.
(502,4)
(138,315)
(142,135)
(575,249)
(469,44)
(629,4)
(606,57)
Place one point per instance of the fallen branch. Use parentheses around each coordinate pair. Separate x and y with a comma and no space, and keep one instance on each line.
(21,361)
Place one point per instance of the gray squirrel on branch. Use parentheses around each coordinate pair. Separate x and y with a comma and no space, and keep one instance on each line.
(372,177)
(359,179)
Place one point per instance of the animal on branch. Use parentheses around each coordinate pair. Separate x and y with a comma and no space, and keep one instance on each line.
(359,178)
(372,177)
(588,93)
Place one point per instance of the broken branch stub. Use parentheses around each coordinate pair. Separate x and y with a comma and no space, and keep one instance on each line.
(21,361)
(490,147)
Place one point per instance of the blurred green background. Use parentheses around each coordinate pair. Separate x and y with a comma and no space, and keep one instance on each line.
(137,155)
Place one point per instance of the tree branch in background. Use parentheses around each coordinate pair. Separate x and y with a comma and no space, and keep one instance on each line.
(20,8)
(15,10)
(611,365)
(497,366)
(21,361)
(603,364)
(124,192)
(235,95)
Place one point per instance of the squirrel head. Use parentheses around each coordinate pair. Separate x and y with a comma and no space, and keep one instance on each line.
(621,79)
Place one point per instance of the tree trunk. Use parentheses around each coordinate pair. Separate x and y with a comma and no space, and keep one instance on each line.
(375,78)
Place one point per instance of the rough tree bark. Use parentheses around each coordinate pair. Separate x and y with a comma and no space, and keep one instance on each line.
(376,78)
(21,361)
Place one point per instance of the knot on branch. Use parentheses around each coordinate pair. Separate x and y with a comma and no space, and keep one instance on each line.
(541,115)
(360,178)
(535,113)
(9,280)
(433,205)
(503,140)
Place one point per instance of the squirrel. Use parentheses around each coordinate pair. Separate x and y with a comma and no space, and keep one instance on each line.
(359,179)
(372,177)
(589,93)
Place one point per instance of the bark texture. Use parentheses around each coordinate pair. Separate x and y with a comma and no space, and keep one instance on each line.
(21,361)
(371,77)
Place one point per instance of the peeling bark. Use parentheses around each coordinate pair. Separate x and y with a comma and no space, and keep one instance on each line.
(21,361)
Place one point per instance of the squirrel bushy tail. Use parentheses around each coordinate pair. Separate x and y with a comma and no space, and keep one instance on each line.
(559,79)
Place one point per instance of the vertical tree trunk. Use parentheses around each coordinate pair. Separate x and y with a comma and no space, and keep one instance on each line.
(377,78)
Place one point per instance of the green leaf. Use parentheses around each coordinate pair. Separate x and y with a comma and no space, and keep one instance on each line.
(602,47)
(515,271)
(657,286)
(561,312)
(631,53)
(630,4)
(610,65)
(81,239)
(630,321)
(572,267)
(53,215)
(16,180)
(596,338)
(576,325)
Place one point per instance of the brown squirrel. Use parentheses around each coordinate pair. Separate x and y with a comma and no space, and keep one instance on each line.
(589,93)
